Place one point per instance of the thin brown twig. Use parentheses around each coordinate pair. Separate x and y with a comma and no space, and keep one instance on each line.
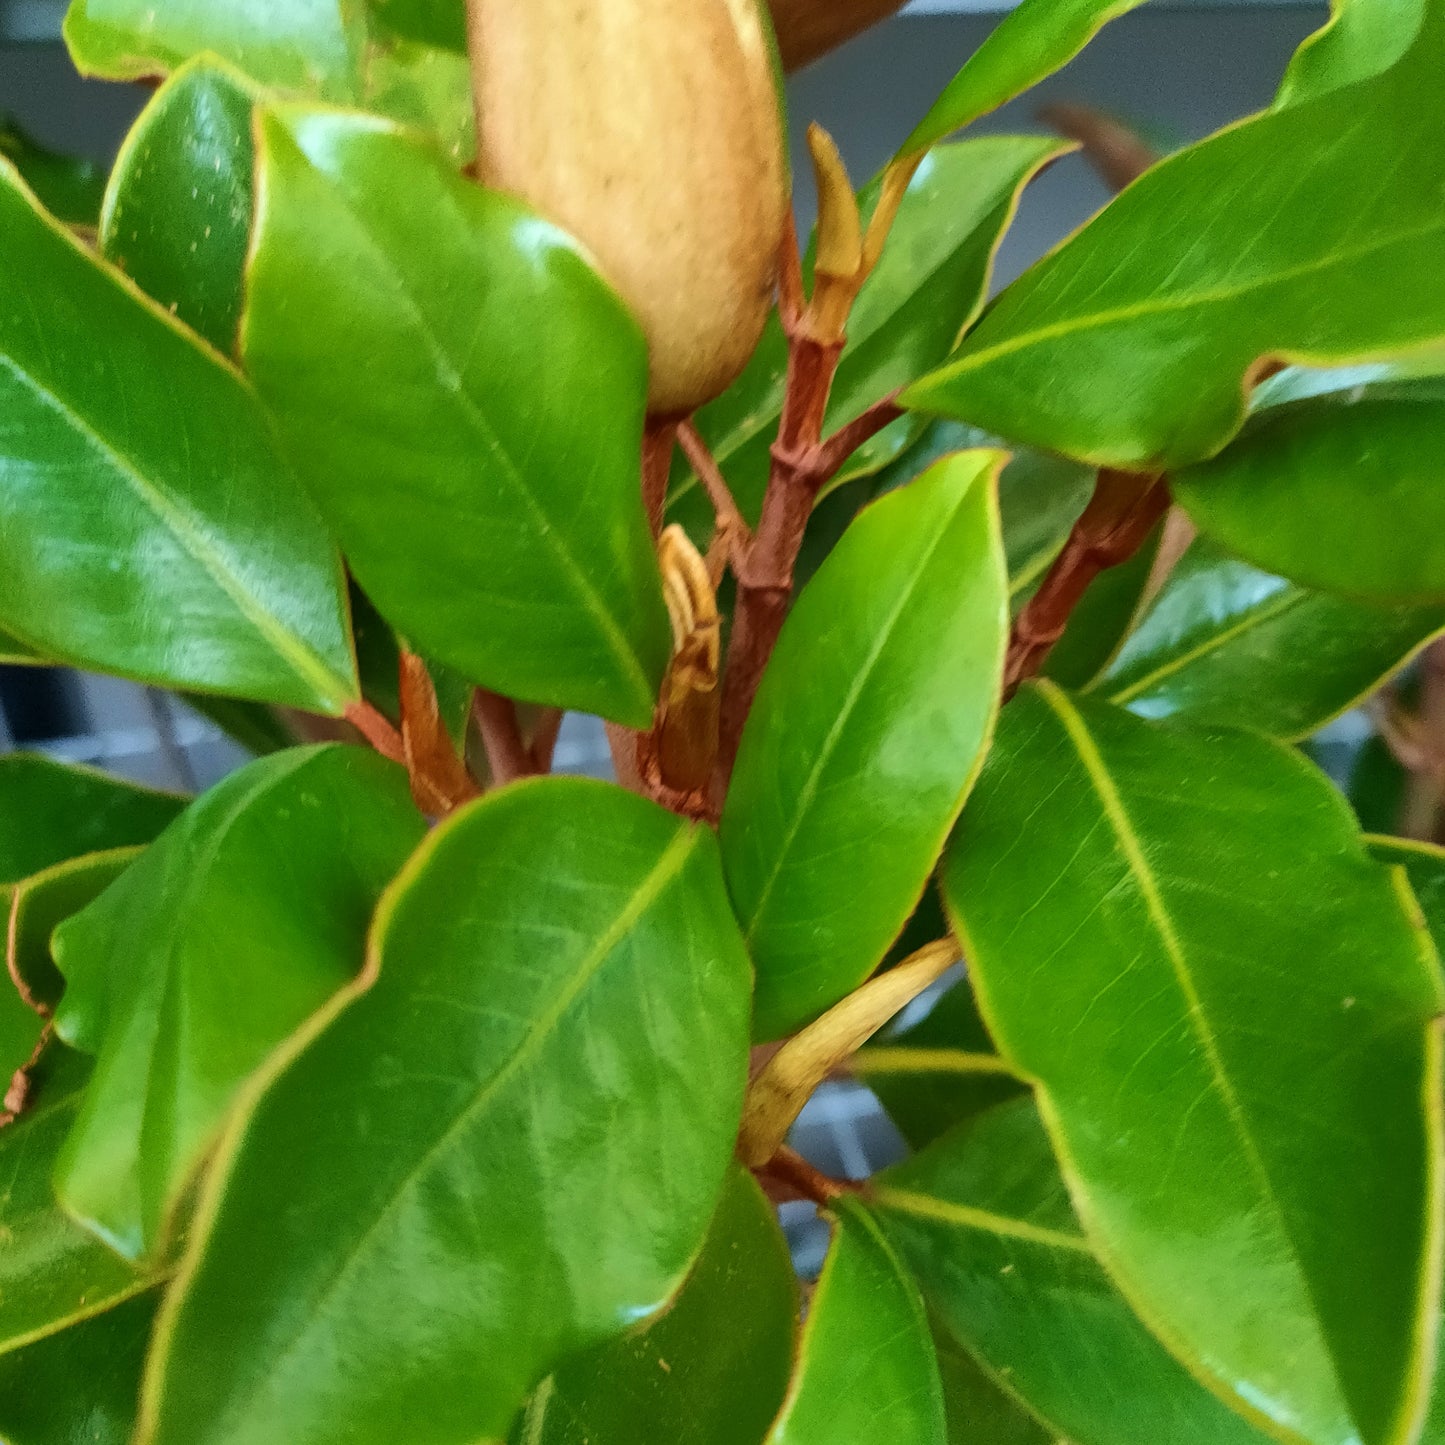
(440,781)
(508,756)
(788,1168)
(834,452)
(724,505)
(376,728)
(544,738)
(658,441)
(1124,510)
(1115,150)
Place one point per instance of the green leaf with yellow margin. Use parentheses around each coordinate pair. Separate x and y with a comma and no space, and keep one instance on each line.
(711,1370)
(867,1362)
(983,1218)
(1230,1015)
(1230,245)
(877,705)
(456,1195)
(483,482)
(186,553)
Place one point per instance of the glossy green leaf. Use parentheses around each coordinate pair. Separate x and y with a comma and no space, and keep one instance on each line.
(505,1150)
(927,289)
(1424,866)
(1229,1013)
(442,23)
(978,1411)
(984,1220)
(240,922)
(68,187)
(1362,38)
(712,1370)
(1027,45)
(1345,493)
(867,1364)
(13,651)
(53,1273)
(78,1387)
(934,1074)
(1225,643)
(1230,244)
(50,812)
(21,1031)
(42,903)
(310,46)
(185,552)
(423,86)
(877,705)
(483,480)
(177,214)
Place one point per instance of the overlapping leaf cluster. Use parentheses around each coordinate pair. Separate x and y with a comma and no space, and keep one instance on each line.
(330,1122)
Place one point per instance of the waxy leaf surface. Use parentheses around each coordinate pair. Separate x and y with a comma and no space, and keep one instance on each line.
(50,813)
(867,1364)
(78,1387)
(983,1218)
(1230,1016)
(151,527)
(53,1273)
(508,1148)
(177,215)
(712,1370)
(1225,643)
(1345,493)
(866,735)
(68,187)
(239,923)
(1230,246)
(978,1410)
(927,289)
(1362,38)
(481,470)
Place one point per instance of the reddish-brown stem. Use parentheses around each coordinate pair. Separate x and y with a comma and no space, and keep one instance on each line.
(544,738)
(789,1169)
(377,730)
(658,441)
(725,508)
(1125,508)
(1424,757)
(847,439)
(440,781)
(508,756)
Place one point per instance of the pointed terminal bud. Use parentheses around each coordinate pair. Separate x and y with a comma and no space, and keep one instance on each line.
(837,271)
(653,131)
(687,722)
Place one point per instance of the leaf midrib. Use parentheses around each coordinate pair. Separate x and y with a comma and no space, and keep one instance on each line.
(668,866)
(809,791)
(452,381)
(1117,817)
(304,661)
(968,1216)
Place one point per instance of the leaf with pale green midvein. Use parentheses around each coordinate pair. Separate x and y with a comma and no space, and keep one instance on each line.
(712,1370)
(1343,492)
(979,1411)
(1229,1012)
(53,1273)
(240,922)
(506,1149)
(185,551)
(875,710)
(1225,643)
(1362,38)
(1036,39)
(483,481)
(928,288)
(50,812)
(938,1072)
(1424,866)
(78,1387)
(177,214)
(867,1361)
(1229,244)
(983,1219)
